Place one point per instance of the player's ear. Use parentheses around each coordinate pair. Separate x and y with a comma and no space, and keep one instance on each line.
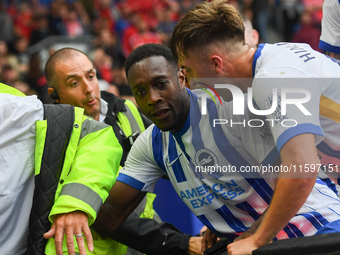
(54,94)
(181,77)
(217,63)
(255,37)
(221,66)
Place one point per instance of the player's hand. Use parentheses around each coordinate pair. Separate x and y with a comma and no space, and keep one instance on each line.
(209,239)
(242,247)
(194,246)
(72,224)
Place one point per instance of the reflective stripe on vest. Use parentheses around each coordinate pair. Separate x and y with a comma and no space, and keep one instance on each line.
(83,193)
(88,127)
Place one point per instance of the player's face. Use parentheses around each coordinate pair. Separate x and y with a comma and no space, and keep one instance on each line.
(160,92)
(78,84)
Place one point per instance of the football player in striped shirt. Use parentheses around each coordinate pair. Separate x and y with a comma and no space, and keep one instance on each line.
(297,87)
(215,169)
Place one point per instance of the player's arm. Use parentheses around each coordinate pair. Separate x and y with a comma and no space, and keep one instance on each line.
(122,200)
(150,237)
(130,188)
(291,192)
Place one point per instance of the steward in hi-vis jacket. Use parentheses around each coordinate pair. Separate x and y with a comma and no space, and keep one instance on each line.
(74,160)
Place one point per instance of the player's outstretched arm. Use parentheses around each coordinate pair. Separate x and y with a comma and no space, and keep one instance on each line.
(285,203)
(122,200)
(153,238)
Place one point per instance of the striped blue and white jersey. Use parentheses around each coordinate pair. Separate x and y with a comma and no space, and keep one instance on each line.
(298,68)
(208,165)
(330,32)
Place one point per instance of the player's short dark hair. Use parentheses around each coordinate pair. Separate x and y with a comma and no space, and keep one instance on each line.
(149,50)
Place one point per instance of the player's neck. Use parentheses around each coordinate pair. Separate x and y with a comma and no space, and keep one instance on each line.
(243,62)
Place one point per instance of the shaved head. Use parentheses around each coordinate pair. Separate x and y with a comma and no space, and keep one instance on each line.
(72,80)
(57,56)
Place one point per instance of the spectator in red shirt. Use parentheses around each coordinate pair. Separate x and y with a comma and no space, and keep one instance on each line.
(143,35)
(308,32)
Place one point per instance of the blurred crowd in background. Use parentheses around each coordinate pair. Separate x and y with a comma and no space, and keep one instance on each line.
(113,28)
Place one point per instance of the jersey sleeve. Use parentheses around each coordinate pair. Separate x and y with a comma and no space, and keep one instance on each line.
(330,36)
(290,106)
(141,170)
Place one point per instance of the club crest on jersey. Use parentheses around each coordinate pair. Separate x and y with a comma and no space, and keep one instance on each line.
(205,158)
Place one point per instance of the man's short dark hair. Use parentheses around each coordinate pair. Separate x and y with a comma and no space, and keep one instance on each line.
(150,50)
